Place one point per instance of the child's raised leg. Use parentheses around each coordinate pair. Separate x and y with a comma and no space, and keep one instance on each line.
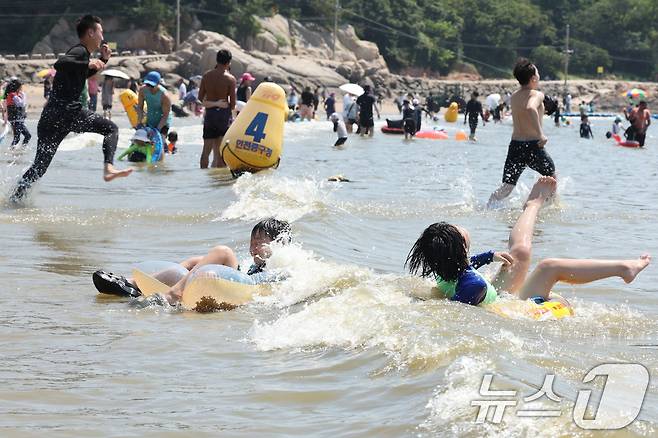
(550,271)
(520,240)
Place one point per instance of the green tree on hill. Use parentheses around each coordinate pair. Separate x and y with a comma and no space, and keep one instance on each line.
(423,35)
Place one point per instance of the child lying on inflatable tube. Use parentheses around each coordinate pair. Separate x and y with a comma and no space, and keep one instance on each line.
(442,250)
(262,235)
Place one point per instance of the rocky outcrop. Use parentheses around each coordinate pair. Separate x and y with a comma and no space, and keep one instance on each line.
(285,50)
(197,55)
(63,35)
(300,55)
(59,39)
(353,60)
(141,39)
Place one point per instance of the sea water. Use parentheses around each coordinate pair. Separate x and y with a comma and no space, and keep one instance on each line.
(348,345)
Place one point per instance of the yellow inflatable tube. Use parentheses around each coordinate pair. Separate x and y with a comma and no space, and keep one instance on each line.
(219,289)
(555,308)
(129,101)
(255,139)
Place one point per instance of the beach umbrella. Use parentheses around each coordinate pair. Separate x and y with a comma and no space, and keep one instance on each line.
(352,89)
(492,100)
(46,72)
(115,74)
(635,94)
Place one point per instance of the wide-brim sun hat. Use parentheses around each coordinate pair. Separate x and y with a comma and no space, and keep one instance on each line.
(141,135)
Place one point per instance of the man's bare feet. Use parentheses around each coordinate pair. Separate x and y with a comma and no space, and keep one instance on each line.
(543,189)
(634,267)
(110,172)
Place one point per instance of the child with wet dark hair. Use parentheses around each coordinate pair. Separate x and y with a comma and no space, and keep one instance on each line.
(262,235)
(442,252)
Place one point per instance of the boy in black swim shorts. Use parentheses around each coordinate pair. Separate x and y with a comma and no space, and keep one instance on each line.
(527,148)
(522,154)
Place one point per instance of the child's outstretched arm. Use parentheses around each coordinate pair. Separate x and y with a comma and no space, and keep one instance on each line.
(131,149)
(485,258)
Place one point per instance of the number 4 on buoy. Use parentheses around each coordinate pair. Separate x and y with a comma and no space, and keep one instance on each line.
(255,139)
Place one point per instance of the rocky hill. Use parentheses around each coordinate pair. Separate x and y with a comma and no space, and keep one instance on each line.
(293,54)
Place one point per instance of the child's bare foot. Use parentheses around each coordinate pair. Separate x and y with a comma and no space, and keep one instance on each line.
(543,189)
(634,267)
(110,172)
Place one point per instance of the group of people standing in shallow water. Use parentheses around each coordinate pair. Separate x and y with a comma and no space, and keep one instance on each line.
(442,250)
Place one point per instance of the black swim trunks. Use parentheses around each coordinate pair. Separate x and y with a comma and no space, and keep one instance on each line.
(472,124)
(522,154)
(216,122)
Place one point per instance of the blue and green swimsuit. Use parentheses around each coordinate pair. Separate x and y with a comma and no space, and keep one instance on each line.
(470,287)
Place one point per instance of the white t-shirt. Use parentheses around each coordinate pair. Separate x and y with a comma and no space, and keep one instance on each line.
(182,91)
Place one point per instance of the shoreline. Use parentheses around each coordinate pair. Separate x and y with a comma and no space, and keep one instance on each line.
(607,94)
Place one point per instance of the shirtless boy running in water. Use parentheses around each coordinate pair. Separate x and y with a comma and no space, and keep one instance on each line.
(528,140)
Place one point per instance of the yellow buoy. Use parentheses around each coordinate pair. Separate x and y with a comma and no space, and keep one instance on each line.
(451,113)
(129,101)
(255,139)
(460,135)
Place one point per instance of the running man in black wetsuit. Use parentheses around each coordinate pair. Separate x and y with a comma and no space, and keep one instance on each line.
(473,110)
(64,113)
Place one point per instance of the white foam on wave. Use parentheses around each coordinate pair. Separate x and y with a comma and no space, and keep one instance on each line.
(267,194)
(76,142)
(451,412)
(346,306)
(309,275)
(356,316)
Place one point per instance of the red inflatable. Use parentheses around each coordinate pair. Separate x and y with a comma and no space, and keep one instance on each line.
(389,130)
(625,143)
(434,135)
